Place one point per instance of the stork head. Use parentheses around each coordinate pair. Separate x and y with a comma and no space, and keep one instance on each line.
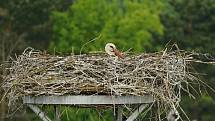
(110,49)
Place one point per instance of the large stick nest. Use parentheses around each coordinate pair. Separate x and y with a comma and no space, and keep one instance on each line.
(159,74)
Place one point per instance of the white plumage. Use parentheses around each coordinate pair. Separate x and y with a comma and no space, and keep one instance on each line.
(111,49)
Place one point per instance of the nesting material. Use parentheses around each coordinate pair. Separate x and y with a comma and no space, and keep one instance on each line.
(159,74)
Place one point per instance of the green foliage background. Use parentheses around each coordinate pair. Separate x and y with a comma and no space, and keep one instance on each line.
(143,25)
(129,24)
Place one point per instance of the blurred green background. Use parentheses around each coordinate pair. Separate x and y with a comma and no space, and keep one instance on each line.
(64,26)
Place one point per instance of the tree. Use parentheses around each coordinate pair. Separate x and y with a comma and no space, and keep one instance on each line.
(126,23)
(190,24)
(28,18)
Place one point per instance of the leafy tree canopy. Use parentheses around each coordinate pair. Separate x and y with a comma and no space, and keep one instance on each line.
(191,24)
(129,24)
(29,19)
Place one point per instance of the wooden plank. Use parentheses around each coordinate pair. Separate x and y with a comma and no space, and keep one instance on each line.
(135,114)
(81,99)
(39,112)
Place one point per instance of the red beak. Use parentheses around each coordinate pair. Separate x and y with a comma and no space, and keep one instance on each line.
(118,53)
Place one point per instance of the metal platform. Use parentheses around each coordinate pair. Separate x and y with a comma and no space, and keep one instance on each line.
(117,101)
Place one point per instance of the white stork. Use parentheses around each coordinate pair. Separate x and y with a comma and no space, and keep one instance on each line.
(111,49)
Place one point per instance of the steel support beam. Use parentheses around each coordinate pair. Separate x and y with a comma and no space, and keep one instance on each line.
(83,99)
(119,112)
(39,112)
(32,101)
(57,113)
(135,114)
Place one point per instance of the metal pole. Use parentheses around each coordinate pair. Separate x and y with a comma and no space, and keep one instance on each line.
(39,112)
(57,113)
(119,112)
(136,112)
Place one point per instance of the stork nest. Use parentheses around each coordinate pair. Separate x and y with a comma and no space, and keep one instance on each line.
(162,75)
